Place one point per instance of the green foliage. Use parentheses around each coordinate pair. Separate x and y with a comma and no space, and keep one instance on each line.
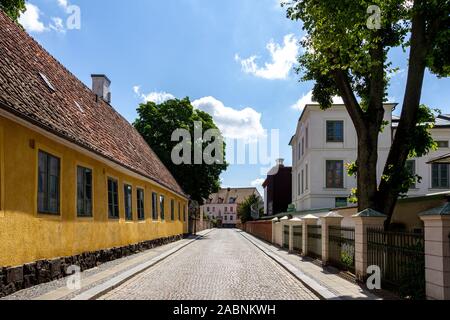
(156,123)
(352,169)
(347,259)
(343,56)
(13,8)
(244,209)
(338,39)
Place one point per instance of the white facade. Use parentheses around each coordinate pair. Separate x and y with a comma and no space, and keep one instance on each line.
(311,152)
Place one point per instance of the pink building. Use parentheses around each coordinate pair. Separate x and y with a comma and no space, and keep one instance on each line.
(222,206)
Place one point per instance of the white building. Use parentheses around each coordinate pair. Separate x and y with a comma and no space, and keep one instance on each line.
(222,206)
(326,140)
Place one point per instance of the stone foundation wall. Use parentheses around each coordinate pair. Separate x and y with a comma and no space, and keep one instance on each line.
(13,279)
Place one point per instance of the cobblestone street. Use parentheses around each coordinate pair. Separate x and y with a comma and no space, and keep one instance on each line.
(221,266)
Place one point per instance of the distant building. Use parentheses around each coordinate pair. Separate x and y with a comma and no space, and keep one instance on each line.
(326,140)
(222,206)
(278,189)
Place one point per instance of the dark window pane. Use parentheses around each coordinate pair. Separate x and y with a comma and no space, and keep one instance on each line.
(128,193)
(341,202)
(140,204)
(154,206)
(172,210)
(48,183)
(334,174)
(113,203)
(84,192)
(335,131)
(161,207)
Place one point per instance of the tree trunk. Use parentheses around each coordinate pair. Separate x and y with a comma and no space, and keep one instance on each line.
(367,168)
(389,190)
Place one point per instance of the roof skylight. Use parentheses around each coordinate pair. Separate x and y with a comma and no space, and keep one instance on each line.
(79,106)
(47,82)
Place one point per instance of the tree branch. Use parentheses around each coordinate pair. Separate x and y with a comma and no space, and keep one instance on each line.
(351,103)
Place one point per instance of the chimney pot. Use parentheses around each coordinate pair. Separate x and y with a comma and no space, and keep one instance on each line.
(280,162)
(101,86)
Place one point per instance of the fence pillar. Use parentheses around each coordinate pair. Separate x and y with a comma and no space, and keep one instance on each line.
(308,220)
(294,222)
(274,222)
(331,219)
(437,253)
(363,220)
(284,221)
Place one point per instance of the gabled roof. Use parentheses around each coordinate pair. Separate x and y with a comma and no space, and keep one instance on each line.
(237,195)
(70,111)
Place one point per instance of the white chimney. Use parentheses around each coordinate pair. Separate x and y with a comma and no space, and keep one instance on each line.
(280,162)
(100,86)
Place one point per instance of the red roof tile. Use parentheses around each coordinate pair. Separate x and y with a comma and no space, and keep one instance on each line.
(96,126)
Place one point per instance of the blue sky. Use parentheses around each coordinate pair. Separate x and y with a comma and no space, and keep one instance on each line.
(233,58)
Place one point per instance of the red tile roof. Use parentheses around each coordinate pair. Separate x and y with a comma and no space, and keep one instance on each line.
(96,127)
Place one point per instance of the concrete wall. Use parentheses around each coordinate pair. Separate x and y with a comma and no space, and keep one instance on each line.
(26,235)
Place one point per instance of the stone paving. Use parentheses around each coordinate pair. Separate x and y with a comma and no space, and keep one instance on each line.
(57,290)
(221,266)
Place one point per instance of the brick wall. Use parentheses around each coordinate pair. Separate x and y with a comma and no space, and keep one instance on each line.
(260,229)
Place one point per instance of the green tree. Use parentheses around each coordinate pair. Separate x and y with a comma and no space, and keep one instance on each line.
(156,123)
(347,55)
(13,8)
(245,208)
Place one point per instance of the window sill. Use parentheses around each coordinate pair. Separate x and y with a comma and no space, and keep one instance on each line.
(50,216)
(85,218)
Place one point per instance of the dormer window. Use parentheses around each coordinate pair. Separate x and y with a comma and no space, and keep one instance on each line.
(47,82)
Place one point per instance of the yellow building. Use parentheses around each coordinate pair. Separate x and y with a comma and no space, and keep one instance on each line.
(75,176)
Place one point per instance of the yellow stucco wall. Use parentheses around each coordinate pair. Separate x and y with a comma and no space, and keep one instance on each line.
(27,236)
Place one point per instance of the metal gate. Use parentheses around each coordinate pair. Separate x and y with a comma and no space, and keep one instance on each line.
(298,238)
(286,237)
(315,241)
(401,258)
(341,244)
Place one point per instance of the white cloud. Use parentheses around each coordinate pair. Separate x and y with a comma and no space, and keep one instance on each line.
(258,185)
(156,97)
(257,182)
(308,99)
(57,25)
(242,124)
(30,19)
(283,59)
(63,3)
